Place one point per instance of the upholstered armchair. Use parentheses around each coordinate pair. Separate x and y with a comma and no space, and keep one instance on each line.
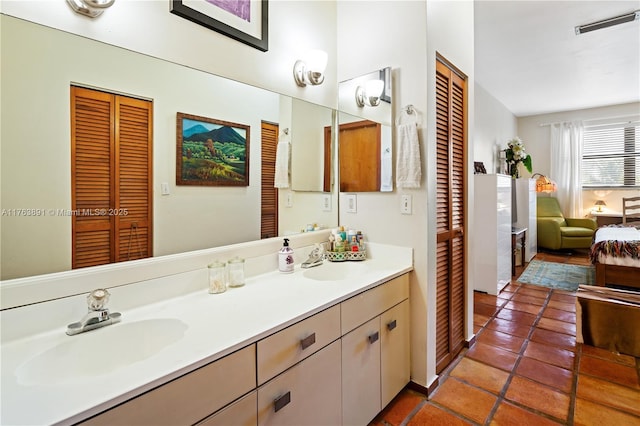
(556,232)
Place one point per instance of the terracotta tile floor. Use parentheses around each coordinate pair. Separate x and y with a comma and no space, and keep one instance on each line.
(526,368)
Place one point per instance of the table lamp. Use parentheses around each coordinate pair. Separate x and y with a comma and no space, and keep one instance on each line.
(600,204)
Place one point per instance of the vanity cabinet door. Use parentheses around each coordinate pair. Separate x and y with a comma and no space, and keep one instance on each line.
(395,355)
(243,412)
(361,308)
(306,394)
(361,374)
(285,348)
(190,398)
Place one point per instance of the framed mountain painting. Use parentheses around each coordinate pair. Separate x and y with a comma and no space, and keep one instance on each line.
(211,152)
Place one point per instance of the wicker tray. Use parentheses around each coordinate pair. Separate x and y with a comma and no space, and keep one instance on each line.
(342,256)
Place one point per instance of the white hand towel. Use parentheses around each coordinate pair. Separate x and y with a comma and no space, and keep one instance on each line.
(281,178)
(408,169)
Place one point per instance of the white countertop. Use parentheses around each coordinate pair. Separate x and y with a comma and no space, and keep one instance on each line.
(201,328)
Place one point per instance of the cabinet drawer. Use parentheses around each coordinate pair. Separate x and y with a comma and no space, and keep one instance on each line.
(190,398)
(243,412)
(307,394)
(280,351)
(361,308)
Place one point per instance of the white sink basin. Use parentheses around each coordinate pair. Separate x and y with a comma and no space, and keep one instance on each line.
(101,351)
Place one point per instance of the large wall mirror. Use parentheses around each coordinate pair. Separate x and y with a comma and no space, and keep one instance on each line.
(365,133)
(36,154)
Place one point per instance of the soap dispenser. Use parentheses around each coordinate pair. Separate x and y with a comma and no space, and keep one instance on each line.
(285,257)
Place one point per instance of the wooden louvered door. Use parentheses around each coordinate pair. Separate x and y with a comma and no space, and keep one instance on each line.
(269,194)
(450,158)
(111,197)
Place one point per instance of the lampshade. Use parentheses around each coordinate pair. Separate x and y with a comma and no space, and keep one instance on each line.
(310,70)
(544,184)
(316,60)
(370,93)
(600,204)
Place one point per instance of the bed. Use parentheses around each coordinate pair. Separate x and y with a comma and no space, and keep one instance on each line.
(615,252)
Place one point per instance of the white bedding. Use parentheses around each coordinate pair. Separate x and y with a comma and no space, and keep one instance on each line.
(627,233)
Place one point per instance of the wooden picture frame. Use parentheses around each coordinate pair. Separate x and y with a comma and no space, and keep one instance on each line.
(246,21)
(211,152)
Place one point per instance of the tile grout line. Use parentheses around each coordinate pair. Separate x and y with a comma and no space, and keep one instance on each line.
(512,373)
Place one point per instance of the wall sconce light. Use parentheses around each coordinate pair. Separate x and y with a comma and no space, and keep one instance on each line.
(600,204)
(90,8)
(370,93)
(544,184)
(311,69)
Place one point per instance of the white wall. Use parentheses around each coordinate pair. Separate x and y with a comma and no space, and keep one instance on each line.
(495,125)
(148,27)
(409,46)
(536,137)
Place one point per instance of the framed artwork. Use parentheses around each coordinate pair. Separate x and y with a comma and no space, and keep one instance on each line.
(479,168)
(246,21)
(211,152)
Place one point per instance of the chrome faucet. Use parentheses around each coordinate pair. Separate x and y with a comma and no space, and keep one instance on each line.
(315,257)
(98,315)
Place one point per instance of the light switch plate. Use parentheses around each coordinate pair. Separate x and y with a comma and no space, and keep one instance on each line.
(352,203)
(405,204)
(289,199)
(326,202)
(164,188)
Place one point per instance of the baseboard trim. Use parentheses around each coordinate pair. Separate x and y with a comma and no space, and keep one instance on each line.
(423,389)
(470,342)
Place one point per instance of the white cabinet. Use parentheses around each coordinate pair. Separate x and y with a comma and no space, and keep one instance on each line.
(306,394)
(526,202)
(190,398)
(241,413)
(375,355)
(492,232)
(395,355)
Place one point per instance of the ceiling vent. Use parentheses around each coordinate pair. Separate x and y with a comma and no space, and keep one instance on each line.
(628,17)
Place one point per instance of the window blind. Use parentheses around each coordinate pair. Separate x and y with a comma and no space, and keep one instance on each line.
(611,155)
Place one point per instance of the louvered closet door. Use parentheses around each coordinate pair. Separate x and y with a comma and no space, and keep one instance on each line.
(92,147)
(132,210)
(269,197)
(451,148)
(111,145)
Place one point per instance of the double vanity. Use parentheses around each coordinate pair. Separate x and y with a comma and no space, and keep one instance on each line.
(325,345)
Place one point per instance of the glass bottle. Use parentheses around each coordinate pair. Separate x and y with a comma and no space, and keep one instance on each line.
(217,277)
(236,272)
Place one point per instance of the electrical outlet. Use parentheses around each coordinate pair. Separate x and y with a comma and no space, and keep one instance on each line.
(405,204)
(352,203)
(289,199)
(326,202)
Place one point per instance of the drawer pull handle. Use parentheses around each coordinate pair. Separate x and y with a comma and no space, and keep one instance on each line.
(281,401)
(374,337)
(308,341)
(393,324)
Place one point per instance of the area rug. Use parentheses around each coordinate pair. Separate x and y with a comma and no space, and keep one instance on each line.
(559,276)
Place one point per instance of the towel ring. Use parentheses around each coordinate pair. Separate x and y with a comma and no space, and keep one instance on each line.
(410,112)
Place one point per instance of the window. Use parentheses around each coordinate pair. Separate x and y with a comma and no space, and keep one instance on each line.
(611,156)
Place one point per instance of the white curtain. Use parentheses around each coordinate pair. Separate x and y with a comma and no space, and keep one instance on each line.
(566,165)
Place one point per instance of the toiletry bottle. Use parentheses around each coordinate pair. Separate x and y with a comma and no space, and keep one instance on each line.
(354,244)
(285,257)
